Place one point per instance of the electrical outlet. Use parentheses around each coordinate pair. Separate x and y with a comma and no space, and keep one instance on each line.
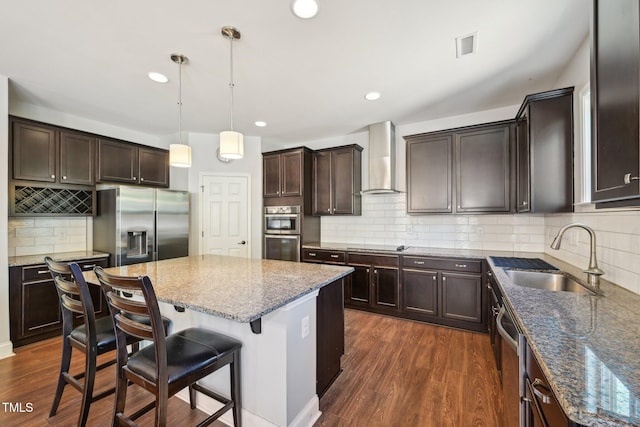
(305,327)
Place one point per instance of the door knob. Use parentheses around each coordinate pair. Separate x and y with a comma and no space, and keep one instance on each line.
(242,243)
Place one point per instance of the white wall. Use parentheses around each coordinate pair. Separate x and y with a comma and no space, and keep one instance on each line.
(6,348)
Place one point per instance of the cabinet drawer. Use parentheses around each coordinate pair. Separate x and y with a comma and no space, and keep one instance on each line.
(379,260)
(34,273)
(452,264)
(545,399)
(314,255)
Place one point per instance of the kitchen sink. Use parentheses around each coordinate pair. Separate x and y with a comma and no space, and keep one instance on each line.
(546,281)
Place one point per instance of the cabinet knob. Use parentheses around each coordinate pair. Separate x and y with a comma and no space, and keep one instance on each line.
(334,209)
(133,178)
(278,193)
(444,279)
(64,177)
(329,210)
(524,203)
(435,277)
(53,176)
(628,178)
(141,179)
(458,206)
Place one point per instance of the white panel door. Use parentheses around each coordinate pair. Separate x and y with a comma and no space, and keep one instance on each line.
(225,215)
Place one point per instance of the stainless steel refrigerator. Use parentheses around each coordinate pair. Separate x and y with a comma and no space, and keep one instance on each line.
(138,225)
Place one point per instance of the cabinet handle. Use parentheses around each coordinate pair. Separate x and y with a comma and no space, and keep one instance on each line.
(334,256)
(43,271)
(495,311)
(628,178)
(312,254)
(545,397)
(461,265)
(88,266)
(418,262)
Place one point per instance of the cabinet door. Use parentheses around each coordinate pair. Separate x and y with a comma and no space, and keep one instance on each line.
(77,152)
(462,297)
(34,152)
(523,198)
(429,171)
(358,289)
(292,167)
(40,308)
(117,161)
(153,167)
(385,283)
(271,175)
(615,99)
(342,185)
(322,195)
(420,292)
(483,172)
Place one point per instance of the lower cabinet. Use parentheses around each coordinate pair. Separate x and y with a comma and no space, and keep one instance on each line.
(375,282)
(34,311)
(447,291)
(541,407)
(330,335)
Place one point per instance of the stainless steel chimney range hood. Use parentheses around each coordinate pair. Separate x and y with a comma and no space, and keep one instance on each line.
(382,159)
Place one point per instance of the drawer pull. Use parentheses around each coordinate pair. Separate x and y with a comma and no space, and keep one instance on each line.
(418,262)
(43,271)
(88,266)
(461,265)
(335,256)
(539,383)
(312,254)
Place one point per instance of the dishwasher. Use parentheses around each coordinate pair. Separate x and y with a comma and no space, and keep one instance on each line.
(510,364)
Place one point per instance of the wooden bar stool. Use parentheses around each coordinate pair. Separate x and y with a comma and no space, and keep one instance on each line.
(171,363)
(93,337)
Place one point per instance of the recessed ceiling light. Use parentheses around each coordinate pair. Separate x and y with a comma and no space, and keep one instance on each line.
(372,96)
(157,77)
(260,123)
(304,9)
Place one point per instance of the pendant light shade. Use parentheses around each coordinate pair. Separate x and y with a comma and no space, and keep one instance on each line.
(179,154)
(231,145)
(231,142)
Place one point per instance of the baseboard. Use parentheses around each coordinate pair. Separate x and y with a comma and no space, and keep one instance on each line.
(306,418)
(6,349)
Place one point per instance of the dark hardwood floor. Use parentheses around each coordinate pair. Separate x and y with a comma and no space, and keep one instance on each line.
(396,373)
(403,373)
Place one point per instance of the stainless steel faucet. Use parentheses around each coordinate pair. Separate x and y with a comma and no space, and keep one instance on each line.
(593,272)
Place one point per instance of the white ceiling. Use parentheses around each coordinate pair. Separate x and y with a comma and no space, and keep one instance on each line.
(305,78)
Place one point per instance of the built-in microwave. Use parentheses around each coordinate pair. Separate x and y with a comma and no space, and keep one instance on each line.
(282,220)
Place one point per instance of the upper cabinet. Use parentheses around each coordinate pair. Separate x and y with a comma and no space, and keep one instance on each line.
(337,181)
(544,152)
(132,164)
(615,101)
(286,178)
(48,154)
(477,159)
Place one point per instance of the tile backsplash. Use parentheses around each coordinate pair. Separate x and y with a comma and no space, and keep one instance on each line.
(32,236)
(384,221)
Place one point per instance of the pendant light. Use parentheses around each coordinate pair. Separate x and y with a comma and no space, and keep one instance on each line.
(231,142)
(179,154)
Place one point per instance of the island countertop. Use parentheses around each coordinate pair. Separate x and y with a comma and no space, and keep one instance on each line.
(234,288)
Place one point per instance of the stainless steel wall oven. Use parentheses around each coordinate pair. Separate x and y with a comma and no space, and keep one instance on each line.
(282,232)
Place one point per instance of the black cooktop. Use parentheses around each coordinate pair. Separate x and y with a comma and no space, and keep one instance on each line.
(523,263)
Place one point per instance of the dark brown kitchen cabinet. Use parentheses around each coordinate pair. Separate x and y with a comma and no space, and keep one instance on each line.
(540,405)
(446,291)
(544,152)
(124,162)
(483,170)
(34,311)
(476,158)
(49,154)
(615,101)
(323,256)
(283,174)
(330,334)
(374,285)
(337,181)
(429,166)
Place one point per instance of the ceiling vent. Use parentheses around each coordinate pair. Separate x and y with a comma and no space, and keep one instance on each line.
(466,45)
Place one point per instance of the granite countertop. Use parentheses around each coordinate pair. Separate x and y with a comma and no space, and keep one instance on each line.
(588,346)
(234,288)
(19,261)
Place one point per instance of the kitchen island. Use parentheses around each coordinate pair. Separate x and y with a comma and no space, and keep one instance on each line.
(268,305)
